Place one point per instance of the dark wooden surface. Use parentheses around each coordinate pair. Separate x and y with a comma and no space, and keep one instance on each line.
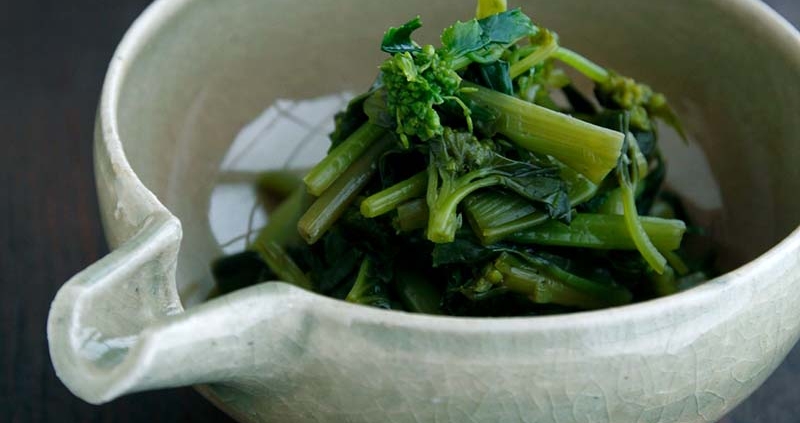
(53,56)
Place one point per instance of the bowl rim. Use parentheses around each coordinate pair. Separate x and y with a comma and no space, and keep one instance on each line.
(148,26)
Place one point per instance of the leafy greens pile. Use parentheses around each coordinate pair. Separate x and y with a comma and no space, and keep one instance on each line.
(476,179)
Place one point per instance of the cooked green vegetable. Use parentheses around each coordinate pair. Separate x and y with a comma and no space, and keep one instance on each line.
(460,184)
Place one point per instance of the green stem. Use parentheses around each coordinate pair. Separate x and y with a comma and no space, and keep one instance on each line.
(664,283)
(604,232)
(282,265)
(390,198)
(546,283)
(676,262)
(460,62)
(281,226)
(277,184)
(579,188)
(583,65)
(589,149)
(493,215)
(632,220)
(496,215)
(412,215)
(542,53)
(443,221)
(333,202)
(490,7)
(628,176)
(340,158)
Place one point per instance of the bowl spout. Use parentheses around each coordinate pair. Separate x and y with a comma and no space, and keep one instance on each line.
(119,327)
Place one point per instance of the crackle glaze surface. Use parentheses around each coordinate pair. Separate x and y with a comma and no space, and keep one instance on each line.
(191,73)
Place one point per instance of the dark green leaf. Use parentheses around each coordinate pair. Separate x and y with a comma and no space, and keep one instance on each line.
(579,103)
(503,28)
(464,250)
(239,270)
(541,185)
(463,37)
(350,119)
(369,287)
(507,27)
(398,40)
(374,107)
(330,261)
(496,77)
(647,141)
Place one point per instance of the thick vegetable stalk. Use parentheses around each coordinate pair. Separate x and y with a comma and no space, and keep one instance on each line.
(389,199)
(332,203)
(321,176)
(412,215)
(443,200)
(589,149)
(282,225)
(544,282)
(279,262)
(604,232)
(496,215)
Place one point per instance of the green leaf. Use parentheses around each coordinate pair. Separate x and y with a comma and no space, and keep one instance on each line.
(540,185)
(495,76)
(504,28)
(398,40)
(329,262)
(368,289)
(507,27)
(374,107)
(350,119)
(465,249)
(239,270)
(463,38)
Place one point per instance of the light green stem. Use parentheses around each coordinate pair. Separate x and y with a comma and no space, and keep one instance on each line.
(332,203)
(589,149)
(604,232)
(390,198)
(340,158)
(281,227)
(583,65)
(282,265)
(542,53)
(443,221)
(412,215)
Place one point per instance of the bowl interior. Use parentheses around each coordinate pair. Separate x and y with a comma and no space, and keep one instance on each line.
(213,67)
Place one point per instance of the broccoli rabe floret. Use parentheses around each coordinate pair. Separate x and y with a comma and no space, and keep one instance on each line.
(414,84)
(643,104)
(625,93)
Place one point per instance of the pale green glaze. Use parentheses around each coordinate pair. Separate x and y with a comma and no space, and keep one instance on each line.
(191,73)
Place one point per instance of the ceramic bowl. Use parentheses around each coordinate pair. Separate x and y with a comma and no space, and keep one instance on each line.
(172,164)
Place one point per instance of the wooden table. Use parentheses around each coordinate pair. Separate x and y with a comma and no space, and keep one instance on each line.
(53,55)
